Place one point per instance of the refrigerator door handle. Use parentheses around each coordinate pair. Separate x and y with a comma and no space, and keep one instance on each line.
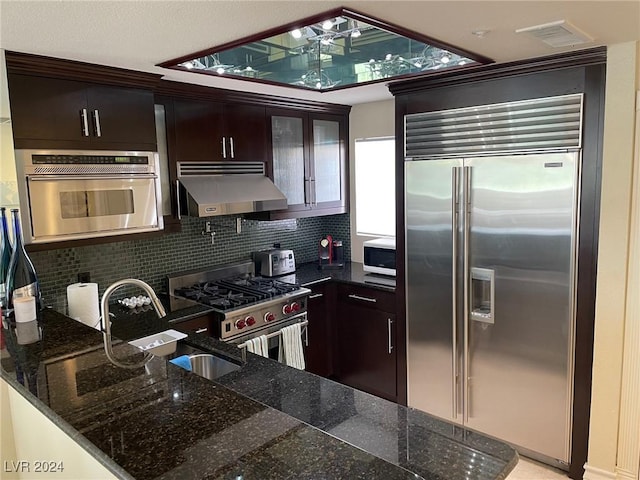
(455,206)
(466,208)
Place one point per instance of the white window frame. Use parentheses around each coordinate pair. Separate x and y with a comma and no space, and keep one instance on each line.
(388,206)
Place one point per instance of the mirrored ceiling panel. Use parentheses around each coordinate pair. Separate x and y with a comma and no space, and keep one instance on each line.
(338,49)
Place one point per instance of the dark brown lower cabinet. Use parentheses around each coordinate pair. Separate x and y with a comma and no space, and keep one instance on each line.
(317,353)
(365,339)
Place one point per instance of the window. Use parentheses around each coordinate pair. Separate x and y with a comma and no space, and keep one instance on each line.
(375,187)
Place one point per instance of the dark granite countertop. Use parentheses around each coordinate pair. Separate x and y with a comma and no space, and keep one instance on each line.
(308,273)
(264,421)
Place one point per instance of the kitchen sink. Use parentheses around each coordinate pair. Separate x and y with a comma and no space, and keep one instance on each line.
(205,364)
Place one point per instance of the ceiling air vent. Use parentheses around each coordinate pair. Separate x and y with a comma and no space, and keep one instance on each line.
(558,34)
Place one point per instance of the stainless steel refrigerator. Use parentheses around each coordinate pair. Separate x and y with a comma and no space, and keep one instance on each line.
(491,209)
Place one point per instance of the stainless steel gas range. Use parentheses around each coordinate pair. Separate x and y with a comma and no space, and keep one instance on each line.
(245,305)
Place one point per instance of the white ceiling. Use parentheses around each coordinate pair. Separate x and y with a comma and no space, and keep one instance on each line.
(139,34)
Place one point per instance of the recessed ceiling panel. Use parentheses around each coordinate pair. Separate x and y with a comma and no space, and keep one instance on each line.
(337,49)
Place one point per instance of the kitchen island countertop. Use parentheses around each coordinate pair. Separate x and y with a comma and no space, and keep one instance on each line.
(264,421)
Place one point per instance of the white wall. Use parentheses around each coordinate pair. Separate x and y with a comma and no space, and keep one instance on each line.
(7,445)
(8,184)
(614,430)
(37,439)
(367,120)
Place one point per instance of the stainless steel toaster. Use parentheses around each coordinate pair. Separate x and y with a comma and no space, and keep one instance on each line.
(274,262)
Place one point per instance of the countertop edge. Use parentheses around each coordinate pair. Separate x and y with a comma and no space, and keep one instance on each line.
(74,434)
(351,274)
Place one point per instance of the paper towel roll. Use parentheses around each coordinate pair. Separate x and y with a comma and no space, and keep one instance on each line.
(83,302)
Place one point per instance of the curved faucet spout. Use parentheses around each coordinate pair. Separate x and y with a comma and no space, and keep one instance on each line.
(106,324)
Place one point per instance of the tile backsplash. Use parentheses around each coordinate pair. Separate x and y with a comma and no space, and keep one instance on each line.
(151,260)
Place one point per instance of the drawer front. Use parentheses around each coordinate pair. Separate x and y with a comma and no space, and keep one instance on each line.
(195,325)
(367,297)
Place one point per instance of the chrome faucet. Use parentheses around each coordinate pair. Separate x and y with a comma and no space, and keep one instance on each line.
(106,324)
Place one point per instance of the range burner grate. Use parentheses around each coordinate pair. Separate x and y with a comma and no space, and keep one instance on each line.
(234,292)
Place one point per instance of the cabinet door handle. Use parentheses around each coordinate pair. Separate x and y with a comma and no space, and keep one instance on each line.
(85,122)
(224,147)
(314,200)
(389,322)
(202,330)
(366,299)
(307,191)
(96,123)
(233,155)
(316,295)
(178,198)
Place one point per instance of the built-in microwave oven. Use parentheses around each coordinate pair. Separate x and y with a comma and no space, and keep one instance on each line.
(380,256)
(72,194)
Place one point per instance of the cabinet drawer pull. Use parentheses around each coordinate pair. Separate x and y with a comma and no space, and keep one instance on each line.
(85,122)
(233,155)
(389,322)
(316,295)
(224,147)
(202,330)
(366,299)
(96,123)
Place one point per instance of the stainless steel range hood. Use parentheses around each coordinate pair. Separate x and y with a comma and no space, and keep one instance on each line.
(226,188)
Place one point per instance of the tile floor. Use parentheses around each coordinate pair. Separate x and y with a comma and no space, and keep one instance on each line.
(528,469)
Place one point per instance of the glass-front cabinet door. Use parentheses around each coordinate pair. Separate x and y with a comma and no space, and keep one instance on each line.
(327,161)
(289,159)
(309,162)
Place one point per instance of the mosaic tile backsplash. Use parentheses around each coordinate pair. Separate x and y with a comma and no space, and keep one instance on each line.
(151,260)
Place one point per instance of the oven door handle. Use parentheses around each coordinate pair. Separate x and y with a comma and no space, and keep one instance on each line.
(127,176)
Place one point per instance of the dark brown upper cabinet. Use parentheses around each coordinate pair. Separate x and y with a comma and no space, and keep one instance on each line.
(62,104)
(56,113)
(215,131)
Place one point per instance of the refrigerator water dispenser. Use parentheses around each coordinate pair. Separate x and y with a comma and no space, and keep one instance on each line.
(482,295)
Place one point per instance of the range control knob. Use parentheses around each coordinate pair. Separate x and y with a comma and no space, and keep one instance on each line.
(287,309)
(295,307)
(269,317)
(250,321)
(240,324)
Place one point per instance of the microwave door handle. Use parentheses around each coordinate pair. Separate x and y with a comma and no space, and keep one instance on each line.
(127,176)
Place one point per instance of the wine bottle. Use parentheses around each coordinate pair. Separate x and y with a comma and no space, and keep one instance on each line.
(22,280)
(5,253)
